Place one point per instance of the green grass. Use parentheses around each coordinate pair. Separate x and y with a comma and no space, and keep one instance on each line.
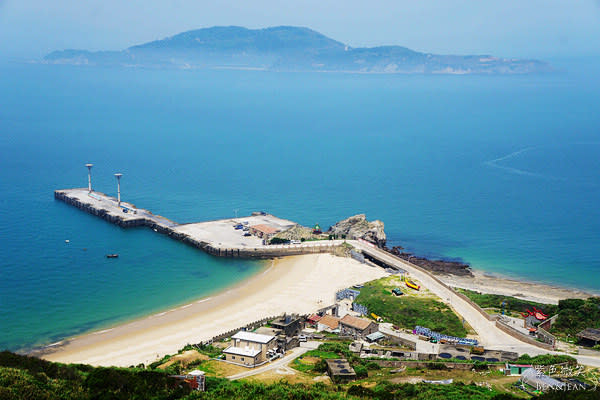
(408,311)
(322,354)
(512,304)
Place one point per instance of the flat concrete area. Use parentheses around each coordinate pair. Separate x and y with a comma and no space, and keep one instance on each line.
(102,201)
(222,233)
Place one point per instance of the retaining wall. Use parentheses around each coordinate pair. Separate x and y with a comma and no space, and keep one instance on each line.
(255,252)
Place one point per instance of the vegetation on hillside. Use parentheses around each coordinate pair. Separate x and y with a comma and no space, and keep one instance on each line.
(575,315)
(23,377)
(408,311)
(511,304)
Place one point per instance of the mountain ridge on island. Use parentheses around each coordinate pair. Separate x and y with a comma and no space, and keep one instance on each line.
(289,48)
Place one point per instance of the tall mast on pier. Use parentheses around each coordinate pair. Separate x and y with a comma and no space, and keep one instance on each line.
(118,176)
(89,167)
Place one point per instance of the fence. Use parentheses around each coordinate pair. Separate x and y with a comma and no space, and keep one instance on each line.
(359,308)
(347,294)
(419,330)
(248,327)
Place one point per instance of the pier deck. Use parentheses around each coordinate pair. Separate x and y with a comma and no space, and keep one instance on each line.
(218,237)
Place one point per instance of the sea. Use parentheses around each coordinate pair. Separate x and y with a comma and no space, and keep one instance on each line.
(501,172)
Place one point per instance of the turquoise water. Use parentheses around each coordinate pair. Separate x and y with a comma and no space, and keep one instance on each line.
(499,171)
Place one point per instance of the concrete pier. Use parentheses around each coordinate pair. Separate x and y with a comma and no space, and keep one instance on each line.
(218,238)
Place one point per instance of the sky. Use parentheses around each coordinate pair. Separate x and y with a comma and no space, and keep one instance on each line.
(507,28)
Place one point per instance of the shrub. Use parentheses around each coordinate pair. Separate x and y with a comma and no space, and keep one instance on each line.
(361,371)
(372,366)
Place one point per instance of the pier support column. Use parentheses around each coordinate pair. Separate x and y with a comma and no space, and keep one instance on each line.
(89,167)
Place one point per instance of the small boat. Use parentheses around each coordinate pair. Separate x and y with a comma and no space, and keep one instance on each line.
(67,241)
(412,285)
(112,256)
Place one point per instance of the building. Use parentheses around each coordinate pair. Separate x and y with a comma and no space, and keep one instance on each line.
(516,369)
(195,380)
(589,337)
(356,327)
(250,349)
(540,381)
(290,325)
(339,370)
(328,323)
(313,320)
(263,231)
(375,337)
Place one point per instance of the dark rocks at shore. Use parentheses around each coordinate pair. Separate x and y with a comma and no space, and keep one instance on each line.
(435,266)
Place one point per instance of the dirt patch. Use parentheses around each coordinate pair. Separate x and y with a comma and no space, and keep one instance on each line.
(406,379)
(184,358)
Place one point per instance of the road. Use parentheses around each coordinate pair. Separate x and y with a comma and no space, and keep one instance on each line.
(490,335)
(281,362)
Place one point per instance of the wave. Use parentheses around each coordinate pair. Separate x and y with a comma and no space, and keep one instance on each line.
(494,164)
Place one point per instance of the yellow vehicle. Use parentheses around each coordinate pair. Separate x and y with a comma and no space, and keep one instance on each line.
(412,285)
(376,317)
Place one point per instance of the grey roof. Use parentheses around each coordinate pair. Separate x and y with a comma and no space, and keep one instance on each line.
(242,351)
(253,337)
(539,380)
(375,336)
(589,333)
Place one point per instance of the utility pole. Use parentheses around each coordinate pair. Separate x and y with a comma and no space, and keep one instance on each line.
(89,167)
(118,176)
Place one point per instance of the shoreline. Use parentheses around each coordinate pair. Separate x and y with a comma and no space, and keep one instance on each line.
(297,284)
(494,283)
(40,349)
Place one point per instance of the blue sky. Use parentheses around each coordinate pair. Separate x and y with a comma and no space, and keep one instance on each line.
(510,28)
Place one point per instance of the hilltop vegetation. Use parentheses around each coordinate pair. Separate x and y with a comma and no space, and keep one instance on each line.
(288,48)
(24,377)
(511,304)
(575,315)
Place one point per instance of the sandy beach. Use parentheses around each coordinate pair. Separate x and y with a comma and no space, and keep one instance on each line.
(298,284)
(492,284)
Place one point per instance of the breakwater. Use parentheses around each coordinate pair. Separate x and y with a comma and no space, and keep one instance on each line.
(226,241)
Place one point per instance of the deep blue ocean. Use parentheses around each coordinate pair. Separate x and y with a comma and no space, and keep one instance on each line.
(499,171)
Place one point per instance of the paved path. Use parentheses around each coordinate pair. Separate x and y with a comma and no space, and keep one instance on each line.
(279,363)
(489,334)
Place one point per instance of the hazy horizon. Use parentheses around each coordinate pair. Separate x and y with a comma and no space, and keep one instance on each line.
(538,29)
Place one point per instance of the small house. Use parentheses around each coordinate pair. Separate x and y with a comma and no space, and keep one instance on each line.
(589,337)
(339,370)
(328,323)
(356,327)
(263,231)
(250,349)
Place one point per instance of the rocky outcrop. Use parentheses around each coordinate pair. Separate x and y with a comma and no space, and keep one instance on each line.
(357,227)
(444,267)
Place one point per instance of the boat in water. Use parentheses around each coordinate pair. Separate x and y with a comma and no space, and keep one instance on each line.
(112,256)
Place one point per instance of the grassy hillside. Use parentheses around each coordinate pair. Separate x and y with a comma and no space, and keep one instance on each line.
(575,315)
(413,308)
(511,304)
(24,377)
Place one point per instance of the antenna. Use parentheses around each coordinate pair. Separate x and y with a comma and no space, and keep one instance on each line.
(118,176)
(89,167)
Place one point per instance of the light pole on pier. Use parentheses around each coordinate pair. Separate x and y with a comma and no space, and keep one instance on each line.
(118,176)
(89,167)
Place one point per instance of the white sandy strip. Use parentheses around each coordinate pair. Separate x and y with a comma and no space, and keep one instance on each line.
(299,284)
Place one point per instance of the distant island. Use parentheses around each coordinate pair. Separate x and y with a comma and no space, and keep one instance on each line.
(288,48)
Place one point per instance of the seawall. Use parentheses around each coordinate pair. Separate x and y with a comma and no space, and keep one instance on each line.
(107,208)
